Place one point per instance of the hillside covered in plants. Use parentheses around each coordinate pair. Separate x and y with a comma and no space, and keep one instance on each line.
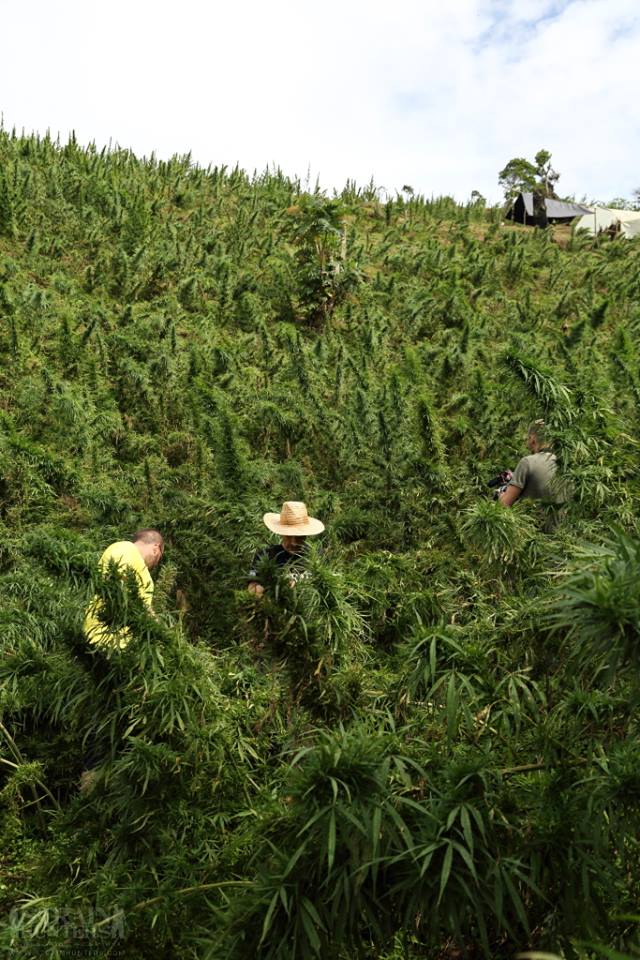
(429,746)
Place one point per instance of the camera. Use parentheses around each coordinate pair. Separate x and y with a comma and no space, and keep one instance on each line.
(501,482)
(501,479)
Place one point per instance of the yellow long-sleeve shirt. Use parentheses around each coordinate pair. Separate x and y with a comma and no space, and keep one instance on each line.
(127,556)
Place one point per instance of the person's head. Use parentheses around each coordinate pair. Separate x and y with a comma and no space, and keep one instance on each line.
(292,543)
(536,436)
(293,524)
(150,543)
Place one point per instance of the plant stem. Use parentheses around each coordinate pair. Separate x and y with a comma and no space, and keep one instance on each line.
(182,892)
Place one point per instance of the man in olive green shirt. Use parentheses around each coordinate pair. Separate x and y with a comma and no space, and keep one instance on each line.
(535,476)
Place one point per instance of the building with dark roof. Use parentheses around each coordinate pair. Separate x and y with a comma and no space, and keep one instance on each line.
(539,211)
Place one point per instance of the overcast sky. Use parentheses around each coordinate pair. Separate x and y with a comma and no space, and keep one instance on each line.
(423,92)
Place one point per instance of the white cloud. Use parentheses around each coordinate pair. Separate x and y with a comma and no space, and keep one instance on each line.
(407,92)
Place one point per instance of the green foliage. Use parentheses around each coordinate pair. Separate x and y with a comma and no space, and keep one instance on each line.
(323,274)
(427,744)
(499,536)
(520,175)
(600,602)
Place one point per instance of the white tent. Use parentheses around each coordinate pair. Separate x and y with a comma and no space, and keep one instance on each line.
(626,222)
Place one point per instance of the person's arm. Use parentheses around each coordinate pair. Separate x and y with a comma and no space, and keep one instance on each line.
(510,495)
(254,586)
(516,485)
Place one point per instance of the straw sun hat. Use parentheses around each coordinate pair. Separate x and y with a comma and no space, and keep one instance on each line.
(293,521)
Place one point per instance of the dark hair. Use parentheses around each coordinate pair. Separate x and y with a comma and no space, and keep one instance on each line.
(148,535)
(538,429)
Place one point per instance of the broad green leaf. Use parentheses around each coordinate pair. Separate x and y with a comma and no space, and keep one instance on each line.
(331,841)
(466,827)
(266,926)
(446,870)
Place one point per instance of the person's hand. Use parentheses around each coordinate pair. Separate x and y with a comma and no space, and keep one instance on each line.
(256,589)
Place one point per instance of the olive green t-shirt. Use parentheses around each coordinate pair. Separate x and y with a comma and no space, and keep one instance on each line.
(535,476)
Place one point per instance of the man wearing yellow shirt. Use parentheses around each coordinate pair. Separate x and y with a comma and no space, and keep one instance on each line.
(141,555)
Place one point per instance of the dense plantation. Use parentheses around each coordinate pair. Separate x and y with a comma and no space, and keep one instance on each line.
(427,748)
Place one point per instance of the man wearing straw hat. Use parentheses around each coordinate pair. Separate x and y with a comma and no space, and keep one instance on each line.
(293,525)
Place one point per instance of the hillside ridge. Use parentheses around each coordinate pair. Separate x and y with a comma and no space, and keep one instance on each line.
(429,743)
